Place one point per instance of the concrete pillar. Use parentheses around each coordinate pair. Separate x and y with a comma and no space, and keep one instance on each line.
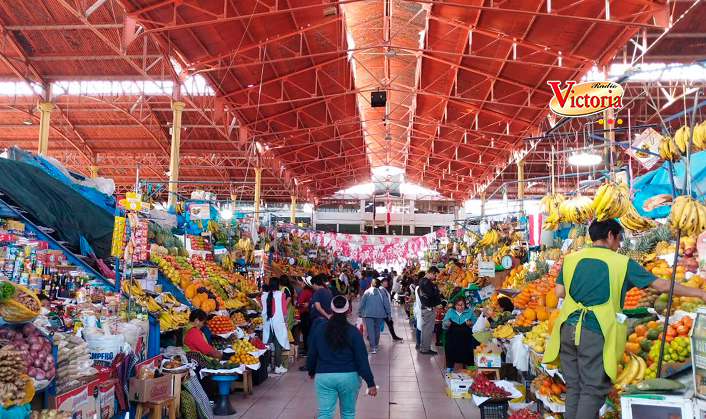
(411,216)
(94,171)
(482,204)
(258,184)
(362,215)
(293,216)
(521,185)
(177,108)
(45,112)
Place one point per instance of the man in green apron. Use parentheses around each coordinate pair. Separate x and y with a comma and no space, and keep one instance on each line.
(597,279)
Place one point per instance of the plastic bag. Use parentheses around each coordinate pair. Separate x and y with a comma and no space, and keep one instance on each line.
(479,325)
(359,326)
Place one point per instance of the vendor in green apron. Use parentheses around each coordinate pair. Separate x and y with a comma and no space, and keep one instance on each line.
(194,339)
(597,279)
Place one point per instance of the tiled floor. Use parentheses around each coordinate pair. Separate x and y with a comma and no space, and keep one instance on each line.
(411,387)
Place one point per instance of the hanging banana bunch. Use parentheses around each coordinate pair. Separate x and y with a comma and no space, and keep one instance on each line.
(490,238)
(179,208)
(687,215)
(552,222)
(668,149)
(634,221)
(576,210)
(227,263)
(681,138)
(611,201)
(551,202)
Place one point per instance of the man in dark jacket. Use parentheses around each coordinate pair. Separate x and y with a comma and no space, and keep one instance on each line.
(430,297)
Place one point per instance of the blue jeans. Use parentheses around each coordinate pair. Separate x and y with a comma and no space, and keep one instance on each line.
(334,386)
(373,324)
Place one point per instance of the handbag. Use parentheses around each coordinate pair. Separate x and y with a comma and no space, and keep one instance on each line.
(359,326)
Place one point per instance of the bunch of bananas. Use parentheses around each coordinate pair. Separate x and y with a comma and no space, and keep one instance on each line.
(248,248)
(576,210)
(503,332)
(633,373)
(552,222)
(152,305)
(170,319)
(687,215)
(681,137)
(227,263)
(304,262)
(134,291)
(611,201)
(169,300)
(634,221)
(498,256)
(179,208)
(212,226)
(552,398)
(490,238)
(668,149)
(551,202)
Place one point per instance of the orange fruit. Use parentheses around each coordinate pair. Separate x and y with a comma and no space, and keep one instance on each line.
(633,338)
(641,330)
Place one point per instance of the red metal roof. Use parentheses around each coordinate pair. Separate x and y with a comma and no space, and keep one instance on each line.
(465,82)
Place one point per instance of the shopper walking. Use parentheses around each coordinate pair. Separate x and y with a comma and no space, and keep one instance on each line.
(303,301)
(388,321)
(460,342)
(274,324)
(337,361)
(320,303)
(589,338)
(374,308)
(428,297)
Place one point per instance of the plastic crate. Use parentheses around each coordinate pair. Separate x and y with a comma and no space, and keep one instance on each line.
(494,410)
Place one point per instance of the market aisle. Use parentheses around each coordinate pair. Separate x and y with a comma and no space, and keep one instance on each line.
(411,387)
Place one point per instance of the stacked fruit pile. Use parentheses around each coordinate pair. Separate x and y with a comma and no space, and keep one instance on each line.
(243,358)
(220,325)
(243,345)
(258,344)
(238,319)
(503,332)
(549,387)
(536,338)
(256,321)
(632,298)
(649,296)
(525,414)
(482,387)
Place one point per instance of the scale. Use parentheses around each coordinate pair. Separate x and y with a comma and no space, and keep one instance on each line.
(507,262)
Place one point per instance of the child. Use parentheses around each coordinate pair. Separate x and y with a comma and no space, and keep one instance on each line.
(460,342)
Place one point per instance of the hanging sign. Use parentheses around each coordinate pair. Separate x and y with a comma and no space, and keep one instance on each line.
(486,269)
(200,211)
(583,99)
(647,140)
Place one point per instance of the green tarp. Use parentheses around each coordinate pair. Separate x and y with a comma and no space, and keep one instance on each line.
(53,204)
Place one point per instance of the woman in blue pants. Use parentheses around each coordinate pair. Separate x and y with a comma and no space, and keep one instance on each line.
(337,360)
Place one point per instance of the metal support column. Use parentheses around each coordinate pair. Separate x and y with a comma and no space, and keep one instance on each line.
(177,108)
(94,171)
(45,112)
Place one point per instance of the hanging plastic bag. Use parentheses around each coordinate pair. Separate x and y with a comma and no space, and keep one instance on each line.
(359,326)
(479,325)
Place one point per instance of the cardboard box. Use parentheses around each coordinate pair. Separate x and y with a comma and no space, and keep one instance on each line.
(106,398)
(151,389)
(80,401)
(488,360)
(458,385)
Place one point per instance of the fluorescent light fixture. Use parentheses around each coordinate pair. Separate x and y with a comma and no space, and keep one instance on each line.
(226,214)
(27,122)
(250,85)
(585,159)
(384,171)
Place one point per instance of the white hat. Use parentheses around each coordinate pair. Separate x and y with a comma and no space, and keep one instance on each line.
(307,280)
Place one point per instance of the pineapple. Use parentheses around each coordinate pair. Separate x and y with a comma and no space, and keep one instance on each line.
(542,269)
(572,233)
(531,277)
(579,242)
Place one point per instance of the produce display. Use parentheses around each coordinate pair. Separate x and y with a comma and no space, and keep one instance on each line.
(243,358)
(525,413)
(34,349)
(258,344)
(16,386)
(483,387)
(220,325)
(243,345)
(20,305)
(49,414)
(238,319)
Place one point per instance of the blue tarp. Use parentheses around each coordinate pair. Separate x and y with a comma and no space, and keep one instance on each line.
(104,201)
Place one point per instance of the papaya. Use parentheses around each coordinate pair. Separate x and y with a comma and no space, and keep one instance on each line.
(190,291)
(551,300)
(552,320)
(542,314)
(198,300)
(184,282)
(530,314)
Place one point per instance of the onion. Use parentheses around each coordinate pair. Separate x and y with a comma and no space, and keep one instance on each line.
(41,375)
(50,374)
(33,354)
(24,347)
(37,363)
(32,372)
(35,347)
(50,359)
(27,329)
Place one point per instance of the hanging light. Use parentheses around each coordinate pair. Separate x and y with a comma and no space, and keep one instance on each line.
(226,214)
(585,159)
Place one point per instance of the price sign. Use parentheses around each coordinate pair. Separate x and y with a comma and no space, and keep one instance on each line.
(486,269)
(486,292)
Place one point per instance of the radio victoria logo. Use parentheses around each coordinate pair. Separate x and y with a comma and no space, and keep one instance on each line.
(583,99)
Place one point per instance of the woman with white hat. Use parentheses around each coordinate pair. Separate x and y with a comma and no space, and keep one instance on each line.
(337,361)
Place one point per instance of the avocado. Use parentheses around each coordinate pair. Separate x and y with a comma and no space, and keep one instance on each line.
(641,353)
(646,344)
(652,334)
(660,306)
